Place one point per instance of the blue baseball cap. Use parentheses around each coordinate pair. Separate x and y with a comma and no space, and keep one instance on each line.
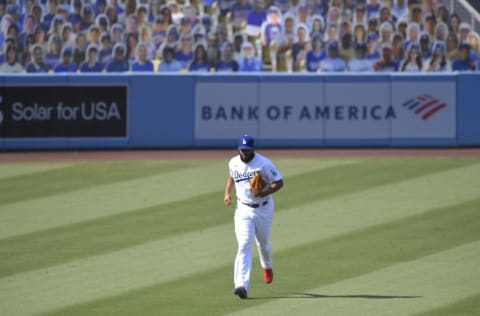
(440,46)
(206,19)
(424,37)
(67,51)
(317,36)
(12,9)
(372,36)
(333,45)
(87,9)
(273,9)
(360,45)
(245,142)
(302,7)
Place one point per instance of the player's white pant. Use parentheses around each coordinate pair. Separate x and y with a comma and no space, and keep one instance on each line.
(250,223)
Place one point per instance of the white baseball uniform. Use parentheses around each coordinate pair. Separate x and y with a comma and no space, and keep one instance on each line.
(253,215)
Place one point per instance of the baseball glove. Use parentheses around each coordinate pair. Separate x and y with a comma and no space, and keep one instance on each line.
(257,184)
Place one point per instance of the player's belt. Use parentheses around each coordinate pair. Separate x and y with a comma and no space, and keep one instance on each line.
(254,205)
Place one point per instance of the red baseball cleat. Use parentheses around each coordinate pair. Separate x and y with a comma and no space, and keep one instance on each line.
(268,275)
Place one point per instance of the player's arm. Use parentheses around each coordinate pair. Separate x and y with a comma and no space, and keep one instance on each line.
(227,198)
(274,187)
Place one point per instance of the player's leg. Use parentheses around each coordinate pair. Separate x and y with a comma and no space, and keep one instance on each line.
(263,224)
(244,231)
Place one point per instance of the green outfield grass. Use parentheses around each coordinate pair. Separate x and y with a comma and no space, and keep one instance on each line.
(351,236)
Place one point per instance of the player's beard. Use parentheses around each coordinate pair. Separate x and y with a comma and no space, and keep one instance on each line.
(248,157)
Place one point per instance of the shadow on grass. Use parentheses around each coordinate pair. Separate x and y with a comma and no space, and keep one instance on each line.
(314,295)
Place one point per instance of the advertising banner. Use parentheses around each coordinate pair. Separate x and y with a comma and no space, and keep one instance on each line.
(268,110)
(63,111)
(226,110)
(355,109)
(424,109)
(292,110)
(358,110)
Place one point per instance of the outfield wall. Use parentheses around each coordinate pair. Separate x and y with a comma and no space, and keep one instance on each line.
(198,111)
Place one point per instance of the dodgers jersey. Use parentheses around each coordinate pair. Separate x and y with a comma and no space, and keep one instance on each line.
(242,173)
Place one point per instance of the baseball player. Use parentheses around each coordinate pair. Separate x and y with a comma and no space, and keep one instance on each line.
(253,212)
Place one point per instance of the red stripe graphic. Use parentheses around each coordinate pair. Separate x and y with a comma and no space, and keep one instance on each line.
(426,105)
(433,111)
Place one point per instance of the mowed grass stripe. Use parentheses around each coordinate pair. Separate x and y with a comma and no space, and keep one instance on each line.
(402,289)
(77,177)
(370,173)
(469,306)
(185,254)
(10,170)
(106,234)
(104,200)
(302,268)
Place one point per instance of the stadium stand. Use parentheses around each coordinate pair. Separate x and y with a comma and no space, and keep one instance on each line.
(475,4)
(467,11)
(284,35)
